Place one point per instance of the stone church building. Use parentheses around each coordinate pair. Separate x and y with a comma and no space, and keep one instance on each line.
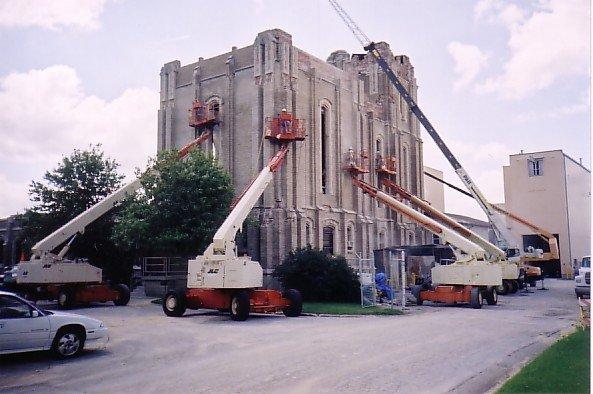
(346,104)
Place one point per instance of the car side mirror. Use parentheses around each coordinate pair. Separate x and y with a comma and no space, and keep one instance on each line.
(34,313)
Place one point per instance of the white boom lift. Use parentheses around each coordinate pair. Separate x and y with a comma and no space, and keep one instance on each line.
(51,276)
(494,254)
(218,278)
(471,278)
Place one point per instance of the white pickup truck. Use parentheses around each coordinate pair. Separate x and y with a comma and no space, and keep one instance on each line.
(583,278)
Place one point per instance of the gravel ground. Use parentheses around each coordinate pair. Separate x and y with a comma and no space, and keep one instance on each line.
(429,349)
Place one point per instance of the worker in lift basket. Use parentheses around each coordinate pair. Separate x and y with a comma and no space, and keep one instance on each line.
(351,158)
(285,123)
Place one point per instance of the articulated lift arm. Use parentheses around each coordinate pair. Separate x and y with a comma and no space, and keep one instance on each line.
(452,237)
(497,220)
(494,252)
(223,242)
(79,223)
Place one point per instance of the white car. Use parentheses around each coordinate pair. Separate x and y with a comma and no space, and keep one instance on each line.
(24,328)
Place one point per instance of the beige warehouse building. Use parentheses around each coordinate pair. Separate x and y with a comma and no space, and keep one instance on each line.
(553,191)
(344,103)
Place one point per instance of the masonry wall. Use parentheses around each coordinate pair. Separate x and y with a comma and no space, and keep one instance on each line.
(363,111)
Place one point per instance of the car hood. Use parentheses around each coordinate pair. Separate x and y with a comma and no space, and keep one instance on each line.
(62,318)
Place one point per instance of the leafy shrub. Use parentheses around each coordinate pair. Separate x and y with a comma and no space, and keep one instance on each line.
(319,276)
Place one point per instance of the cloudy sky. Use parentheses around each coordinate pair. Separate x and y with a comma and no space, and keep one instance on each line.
(495,76)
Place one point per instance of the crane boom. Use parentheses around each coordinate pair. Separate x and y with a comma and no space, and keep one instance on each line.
(498,223)
(79,223)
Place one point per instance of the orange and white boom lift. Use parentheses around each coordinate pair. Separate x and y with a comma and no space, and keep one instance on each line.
(218,278)
(49,276)
(470,279)
(494,254)
(497,221)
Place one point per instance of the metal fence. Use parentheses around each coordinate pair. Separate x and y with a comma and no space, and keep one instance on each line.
(384,286)
(365,269)
(164,266)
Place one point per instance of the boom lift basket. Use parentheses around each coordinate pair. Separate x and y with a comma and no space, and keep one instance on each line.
(285,128)
(201,115)
(356,163)
(385,165)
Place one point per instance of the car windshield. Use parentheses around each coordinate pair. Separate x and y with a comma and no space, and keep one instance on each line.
(586,262)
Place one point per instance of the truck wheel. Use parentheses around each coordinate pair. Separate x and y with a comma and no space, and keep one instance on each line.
(475,298)
(69,342)
(296,303)
(65,299)
(240,306)
(491,296)
(174,304)
(514,286)
(123,295)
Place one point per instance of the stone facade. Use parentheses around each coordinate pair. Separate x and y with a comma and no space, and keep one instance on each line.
(346,102)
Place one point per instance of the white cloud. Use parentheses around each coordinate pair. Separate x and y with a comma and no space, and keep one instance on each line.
(482,161)
(499,11)
(13,196)
(551,43)
(46,114)
(51,14)
(581,107)
(469,61)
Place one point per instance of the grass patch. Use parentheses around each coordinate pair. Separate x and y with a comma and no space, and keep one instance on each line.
(562,368)
(338,308)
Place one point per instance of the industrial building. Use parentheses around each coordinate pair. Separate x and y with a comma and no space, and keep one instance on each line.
(349,110)
(553,191)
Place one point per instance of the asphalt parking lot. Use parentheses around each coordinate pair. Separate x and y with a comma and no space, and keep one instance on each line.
(429,349)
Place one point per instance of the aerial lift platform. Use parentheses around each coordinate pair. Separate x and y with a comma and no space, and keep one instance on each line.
(49,276)
(219,278)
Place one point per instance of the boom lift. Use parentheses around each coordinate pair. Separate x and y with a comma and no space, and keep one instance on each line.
(497,220)
(470,279)
(49,276)
(219,279)
(494,255)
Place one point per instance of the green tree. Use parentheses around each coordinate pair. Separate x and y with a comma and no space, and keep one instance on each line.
(182,204)
(79,181)
(319,276)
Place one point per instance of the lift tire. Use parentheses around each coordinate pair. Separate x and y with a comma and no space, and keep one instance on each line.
(491,296)
(416,293)
(240,306)
(296,303)
(503,289)
(66,298)
(174,304)
(123,295)
(514,286)
(475,298)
